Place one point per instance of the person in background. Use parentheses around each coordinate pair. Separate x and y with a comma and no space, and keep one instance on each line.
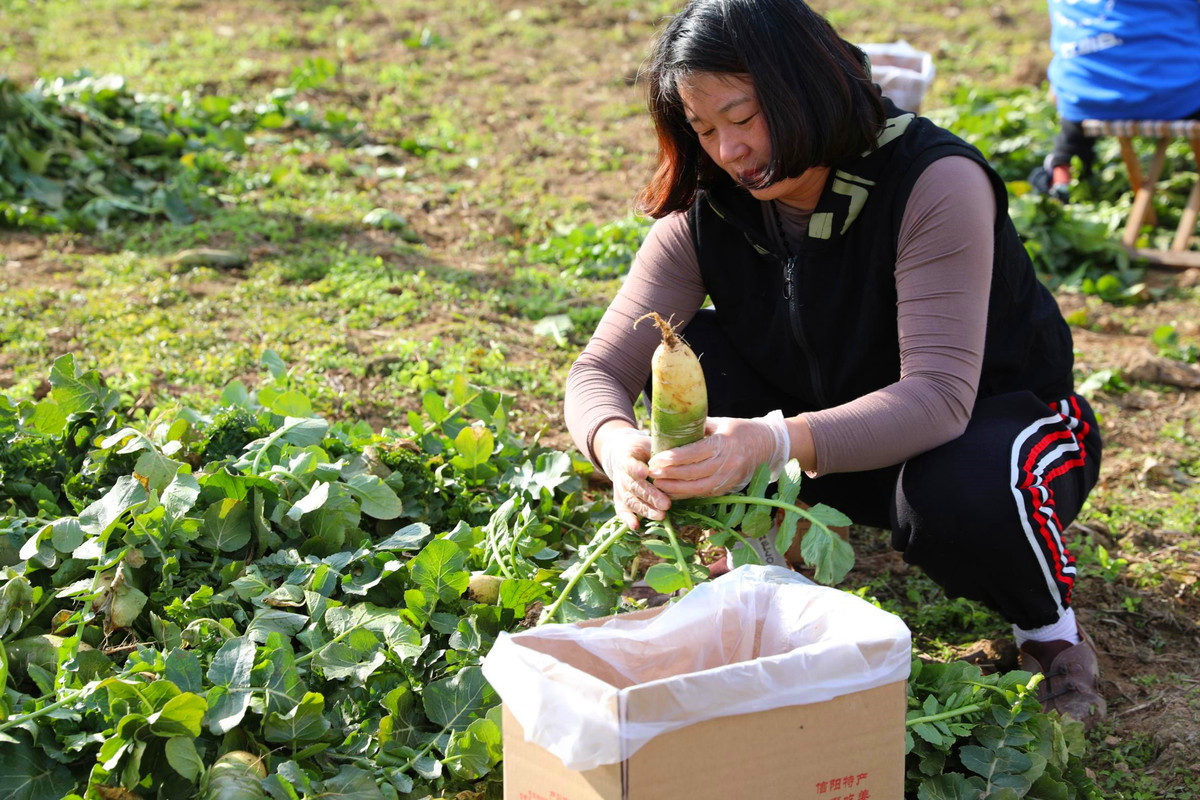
(874,316)
(1117,59)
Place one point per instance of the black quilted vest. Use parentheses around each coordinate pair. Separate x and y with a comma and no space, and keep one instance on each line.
(821,327)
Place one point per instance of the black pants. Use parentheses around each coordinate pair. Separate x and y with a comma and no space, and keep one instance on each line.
(1071,141)
(983,515)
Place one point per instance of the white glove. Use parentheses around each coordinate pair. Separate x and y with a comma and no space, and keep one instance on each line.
(725,459)
(763,547)
(623,455)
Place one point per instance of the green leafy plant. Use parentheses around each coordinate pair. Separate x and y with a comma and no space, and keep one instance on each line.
(1128,770)
(1103,380)
(973,736)
(314,73)
(1097,558)
(1075,247)
(591,251)
(1166,340)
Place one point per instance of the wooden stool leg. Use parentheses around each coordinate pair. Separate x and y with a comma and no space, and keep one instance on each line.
(1134,167)
(1145,194)
(1129,156)
(1187,222)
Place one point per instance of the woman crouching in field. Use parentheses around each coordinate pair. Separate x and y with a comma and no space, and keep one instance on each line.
(874,315)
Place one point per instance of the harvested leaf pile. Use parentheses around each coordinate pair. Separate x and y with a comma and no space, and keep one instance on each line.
(82,151)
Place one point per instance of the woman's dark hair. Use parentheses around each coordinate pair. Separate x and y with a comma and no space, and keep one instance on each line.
(814,89)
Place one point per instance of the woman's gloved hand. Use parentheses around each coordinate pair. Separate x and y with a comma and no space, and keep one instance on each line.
(725,459)
(623,453)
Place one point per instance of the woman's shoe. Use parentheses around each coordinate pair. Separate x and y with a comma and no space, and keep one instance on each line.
(1072,674)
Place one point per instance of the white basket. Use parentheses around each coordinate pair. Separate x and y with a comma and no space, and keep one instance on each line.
(902,72)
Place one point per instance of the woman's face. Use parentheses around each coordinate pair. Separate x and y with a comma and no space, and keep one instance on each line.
(724,112)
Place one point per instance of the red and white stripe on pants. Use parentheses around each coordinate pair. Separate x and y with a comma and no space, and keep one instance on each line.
(1042,452)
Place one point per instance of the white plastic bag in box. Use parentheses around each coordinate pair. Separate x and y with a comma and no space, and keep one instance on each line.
(756,639)
(902,72)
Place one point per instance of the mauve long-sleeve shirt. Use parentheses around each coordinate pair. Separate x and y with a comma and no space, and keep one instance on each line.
(943,278)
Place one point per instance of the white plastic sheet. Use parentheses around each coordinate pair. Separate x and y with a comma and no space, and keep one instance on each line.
(756,639)
(902,72)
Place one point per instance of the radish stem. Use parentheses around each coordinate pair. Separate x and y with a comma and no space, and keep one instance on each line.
(619,530)
(679,559)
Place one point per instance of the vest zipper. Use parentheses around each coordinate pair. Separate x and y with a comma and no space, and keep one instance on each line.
(789,294)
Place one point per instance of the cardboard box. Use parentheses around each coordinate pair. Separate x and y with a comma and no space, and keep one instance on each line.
(847,748)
